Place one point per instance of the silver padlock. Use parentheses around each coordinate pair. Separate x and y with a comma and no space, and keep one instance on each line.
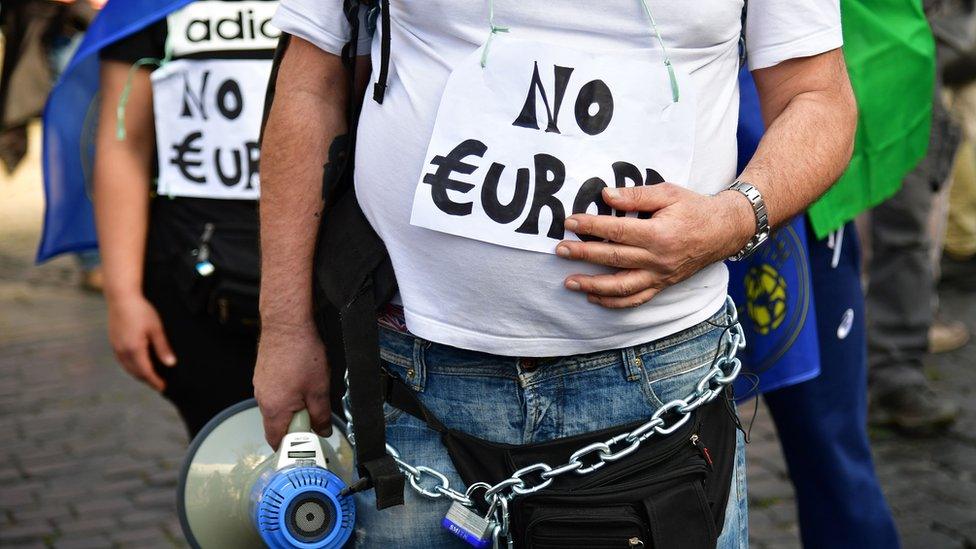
(467,524)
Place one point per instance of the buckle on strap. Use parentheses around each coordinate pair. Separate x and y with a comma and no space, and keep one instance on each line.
(387,481)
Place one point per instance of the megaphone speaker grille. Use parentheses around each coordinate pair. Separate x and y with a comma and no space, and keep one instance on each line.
(310,518)
(302,507)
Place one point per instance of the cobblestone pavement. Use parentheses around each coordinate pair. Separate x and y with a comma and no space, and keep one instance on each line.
(930,484)
(90,458)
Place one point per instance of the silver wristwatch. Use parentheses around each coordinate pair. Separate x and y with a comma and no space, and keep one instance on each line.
(762,219)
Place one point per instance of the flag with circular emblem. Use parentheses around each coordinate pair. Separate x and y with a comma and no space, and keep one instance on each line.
(772,287)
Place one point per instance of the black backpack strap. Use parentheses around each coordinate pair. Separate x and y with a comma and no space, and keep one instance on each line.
(352,280)
(269,95)
(360,339)
(353,275)
(379,88)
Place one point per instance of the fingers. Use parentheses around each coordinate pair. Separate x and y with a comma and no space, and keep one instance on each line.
(291,374)
(624,230)
(603,253)
(643,199)
(275,424)
(630,301)
(161,345)
(320,412)
(277,418)
(135,360)
(624,283)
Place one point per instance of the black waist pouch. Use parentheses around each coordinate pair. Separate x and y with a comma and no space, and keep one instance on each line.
(219,276)
(669,494)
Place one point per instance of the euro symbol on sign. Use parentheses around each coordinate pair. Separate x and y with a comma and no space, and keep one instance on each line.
(182,151)
(440,181)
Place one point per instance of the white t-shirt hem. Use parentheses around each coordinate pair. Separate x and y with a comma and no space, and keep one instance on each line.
(814,44)
(510,345)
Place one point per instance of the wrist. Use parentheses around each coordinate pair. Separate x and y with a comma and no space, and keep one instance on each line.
(122,294)
(740,220)
(290,323)
(286,303)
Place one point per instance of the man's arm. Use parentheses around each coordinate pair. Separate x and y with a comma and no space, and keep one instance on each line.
(121,200)
(811,116)
(308,112)
(810,113)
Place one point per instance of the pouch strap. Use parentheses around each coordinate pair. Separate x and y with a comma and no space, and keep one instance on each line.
(402,397)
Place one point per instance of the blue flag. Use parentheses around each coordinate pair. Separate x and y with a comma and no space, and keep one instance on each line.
(70,118)
(772,288)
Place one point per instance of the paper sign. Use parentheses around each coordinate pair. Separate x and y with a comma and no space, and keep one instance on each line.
(208,118)
(536,135)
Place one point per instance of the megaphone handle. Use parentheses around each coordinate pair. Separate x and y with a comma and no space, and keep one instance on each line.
(300,432)
(300,423)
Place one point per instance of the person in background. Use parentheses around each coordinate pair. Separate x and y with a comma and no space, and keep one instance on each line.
(176,183)
(822,421)
(901,296)
(819,412)
(959,261)
(40,37)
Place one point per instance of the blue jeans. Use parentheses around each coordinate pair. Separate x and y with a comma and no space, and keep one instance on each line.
(521,401)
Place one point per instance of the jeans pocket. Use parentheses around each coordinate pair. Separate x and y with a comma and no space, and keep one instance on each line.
(402,356)
(391,414)
(400,371)
(672,372)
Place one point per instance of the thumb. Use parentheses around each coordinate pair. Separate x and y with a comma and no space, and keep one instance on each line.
(642,199)
(161,346)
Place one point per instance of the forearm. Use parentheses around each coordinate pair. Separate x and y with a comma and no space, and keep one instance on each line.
(809,138)
(307,114)
(122,181)
(122,219)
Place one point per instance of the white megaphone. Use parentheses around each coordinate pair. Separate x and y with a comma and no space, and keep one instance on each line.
(235,492)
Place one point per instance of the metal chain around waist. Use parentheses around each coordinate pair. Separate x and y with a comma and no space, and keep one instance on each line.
(527,480)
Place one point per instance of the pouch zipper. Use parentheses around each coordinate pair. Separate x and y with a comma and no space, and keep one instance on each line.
(686,470)
(673,448)
(633,519)
(703,450)
(633,542)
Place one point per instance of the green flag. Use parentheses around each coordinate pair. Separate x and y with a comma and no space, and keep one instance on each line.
(890,56)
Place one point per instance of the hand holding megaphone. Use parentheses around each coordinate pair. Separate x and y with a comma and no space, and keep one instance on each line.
(235,492)
(291,374)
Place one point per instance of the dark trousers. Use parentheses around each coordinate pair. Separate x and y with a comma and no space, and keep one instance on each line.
(822,422)
(901,286)
(901,290)
(214,365)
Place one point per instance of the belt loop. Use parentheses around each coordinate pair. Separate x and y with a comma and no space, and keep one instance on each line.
(417,374)
(633,364)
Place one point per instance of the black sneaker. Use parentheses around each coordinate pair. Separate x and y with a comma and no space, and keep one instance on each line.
(914,411)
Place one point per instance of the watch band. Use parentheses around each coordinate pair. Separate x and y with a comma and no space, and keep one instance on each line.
(762,219)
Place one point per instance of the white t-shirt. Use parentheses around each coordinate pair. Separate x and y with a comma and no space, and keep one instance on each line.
(480,296)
